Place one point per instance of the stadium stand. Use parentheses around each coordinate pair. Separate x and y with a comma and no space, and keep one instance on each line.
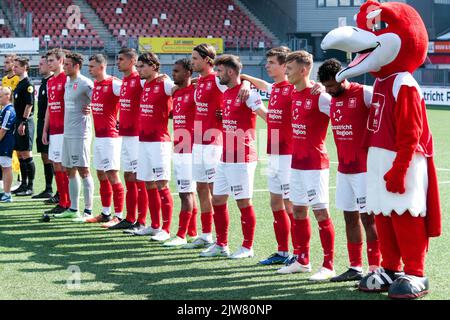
(4,30)
(49,18)
(165,19)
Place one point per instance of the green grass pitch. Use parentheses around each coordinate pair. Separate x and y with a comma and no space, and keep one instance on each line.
(36,258)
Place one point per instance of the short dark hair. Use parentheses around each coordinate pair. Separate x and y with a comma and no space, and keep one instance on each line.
(130,53)
(24,62)
(76,58)
(206,51)
(186,64)
(151,59)
(57,52)
(280,53)
(229,61)
(99,58)
(329,69)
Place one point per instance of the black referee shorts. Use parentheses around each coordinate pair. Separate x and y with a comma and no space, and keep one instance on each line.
(41,148)
(25,142)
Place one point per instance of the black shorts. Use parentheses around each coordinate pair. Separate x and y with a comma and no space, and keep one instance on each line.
(41,148)
(25,142)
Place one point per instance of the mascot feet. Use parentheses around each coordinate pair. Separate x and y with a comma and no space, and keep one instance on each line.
(408,287)
(378,280)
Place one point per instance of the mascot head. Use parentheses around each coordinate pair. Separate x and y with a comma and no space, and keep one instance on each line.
(389,37)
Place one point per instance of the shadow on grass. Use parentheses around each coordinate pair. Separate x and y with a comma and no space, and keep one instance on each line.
(135,266)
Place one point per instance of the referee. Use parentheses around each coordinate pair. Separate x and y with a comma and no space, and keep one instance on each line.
(42,148)
(23,104)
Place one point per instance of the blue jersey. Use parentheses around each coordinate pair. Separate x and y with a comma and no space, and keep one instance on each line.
(7,121)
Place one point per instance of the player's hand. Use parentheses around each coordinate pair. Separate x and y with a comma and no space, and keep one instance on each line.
(244,93)
(86,110)
(45,138)
(396,179)
(21,129)
(317,88)
(163,77)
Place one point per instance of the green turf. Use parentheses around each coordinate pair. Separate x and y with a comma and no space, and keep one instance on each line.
(35,257)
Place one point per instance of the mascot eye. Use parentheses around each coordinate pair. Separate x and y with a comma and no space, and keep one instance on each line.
(379,25)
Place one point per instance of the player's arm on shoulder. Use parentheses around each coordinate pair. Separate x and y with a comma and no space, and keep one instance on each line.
(255,103)
(168,87)
(324,103)
(258,83)
(368,93)
(116,84)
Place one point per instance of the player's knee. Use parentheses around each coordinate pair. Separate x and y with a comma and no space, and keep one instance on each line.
(276,202)
(351,219)
(368,220)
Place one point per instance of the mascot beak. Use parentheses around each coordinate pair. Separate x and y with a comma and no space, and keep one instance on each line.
(349,39)
(373,52)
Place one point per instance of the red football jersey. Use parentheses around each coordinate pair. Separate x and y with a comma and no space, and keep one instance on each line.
(348,114)
(55,93)
(105,106)
(183,119)
(381,124)
(130,97)
(309,123)
(208,100)
(156,104)
(239,123)
(279,120)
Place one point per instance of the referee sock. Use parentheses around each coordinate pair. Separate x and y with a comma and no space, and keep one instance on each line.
(88,190)
(48,172)
(74,192)
(31,171)
(23,172)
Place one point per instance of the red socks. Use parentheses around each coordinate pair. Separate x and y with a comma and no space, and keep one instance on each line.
(62,185)
(142,204)
(192,228)
(293,234)
(248,223)
(373,253)
(166,208)
(302,230)
(185,217)
(106,193)
(207,221)
(154,204)
(118,196)
(326,232)
(131,200)
(221,221)
(355,254)
(281,225)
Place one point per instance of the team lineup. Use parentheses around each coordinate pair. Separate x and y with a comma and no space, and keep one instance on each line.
(213,153)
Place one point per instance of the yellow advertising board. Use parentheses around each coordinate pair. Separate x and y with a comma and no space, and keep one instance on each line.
(177,45)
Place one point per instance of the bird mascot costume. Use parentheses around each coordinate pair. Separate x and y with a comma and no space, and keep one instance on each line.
(390,42)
